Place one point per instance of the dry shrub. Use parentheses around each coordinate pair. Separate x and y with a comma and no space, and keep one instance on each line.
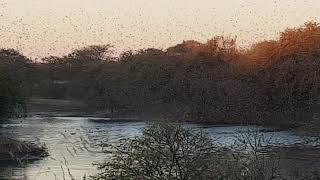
(218,46)
(173,152)
(301,40)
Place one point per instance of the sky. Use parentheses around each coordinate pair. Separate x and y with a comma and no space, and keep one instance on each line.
(40,28)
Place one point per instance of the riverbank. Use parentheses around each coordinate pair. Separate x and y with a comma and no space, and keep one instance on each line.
(16,151)
(75,143)
(73,108)
(47,107)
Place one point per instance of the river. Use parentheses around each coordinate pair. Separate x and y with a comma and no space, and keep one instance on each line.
(74,143)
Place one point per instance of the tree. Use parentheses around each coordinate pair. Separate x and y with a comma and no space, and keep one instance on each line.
(14,78)
(167,151)
(12,100)
(92,53)
(164,151)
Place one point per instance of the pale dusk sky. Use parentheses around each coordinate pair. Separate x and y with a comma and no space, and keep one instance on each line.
(40,28)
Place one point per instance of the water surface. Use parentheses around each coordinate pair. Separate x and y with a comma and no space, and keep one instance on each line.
(74,143)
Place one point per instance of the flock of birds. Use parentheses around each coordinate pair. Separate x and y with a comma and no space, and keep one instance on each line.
(133,25)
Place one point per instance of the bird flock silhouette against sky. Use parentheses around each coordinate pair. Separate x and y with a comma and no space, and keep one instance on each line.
(40,28)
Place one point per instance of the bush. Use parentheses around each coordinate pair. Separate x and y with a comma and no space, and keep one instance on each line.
(12,100)
(14,82)
(162,152)
(173,152)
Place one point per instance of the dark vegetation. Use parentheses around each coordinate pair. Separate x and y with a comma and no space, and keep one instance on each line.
(173,152)
(273,82)
(19,152)
(16,72)
(15,81)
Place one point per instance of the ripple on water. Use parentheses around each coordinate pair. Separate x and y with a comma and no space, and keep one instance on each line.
(74,143)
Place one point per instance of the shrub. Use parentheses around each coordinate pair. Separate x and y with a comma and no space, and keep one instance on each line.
(163,152)
(173,152)
(12,100)
(14,76)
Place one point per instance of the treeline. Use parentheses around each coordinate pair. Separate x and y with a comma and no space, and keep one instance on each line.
(15,81)
(272,82)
